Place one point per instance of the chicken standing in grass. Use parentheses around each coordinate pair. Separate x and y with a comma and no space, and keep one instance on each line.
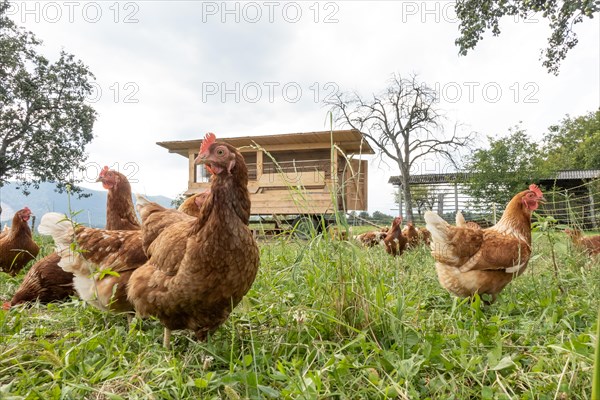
(103,259)
(372,238)
(46,281)
(17,247)
(199,270)
(100,260)
(412,235)
(484,261)
(589,244)
(395,242)
(424,236)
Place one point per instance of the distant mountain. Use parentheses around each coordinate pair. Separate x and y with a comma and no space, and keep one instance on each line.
(46,199)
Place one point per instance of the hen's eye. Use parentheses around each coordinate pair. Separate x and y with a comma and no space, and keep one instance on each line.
(220,152)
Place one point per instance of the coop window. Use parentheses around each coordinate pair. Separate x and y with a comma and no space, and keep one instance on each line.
(202,175)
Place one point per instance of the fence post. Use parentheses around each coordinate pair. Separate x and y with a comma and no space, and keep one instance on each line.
(400,193)
(592,207)
(455,197)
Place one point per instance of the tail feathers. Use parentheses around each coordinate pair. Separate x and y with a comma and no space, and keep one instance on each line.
(146,207)
(141,201)
(437,226)
(460,219)
(59,227)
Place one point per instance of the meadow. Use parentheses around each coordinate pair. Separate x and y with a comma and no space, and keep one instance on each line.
(326,319)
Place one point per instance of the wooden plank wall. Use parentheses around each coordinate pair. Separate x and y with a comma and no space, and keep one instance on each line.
(301,184)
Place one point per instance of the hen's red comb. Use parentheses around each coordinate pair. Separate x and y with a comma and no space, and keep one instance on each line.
(27,209)
(104,171)
(6,305)
(208,140)
(535,189)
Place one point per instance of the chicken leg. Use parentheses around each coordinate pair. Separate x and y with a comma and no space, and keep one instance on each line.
(167,338)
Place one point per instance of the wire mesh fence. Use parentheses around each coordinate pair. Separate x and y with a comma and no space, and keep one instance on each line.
(577,205)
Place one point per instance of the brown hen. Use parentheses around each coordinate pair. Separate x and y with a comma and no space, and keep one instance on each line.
(102,261)
(120,213)
(589,244)
(46,281)
(17,247)
(199,270)
(484,261)
(193,204)
(424,236)
(412,235)
(372,238)
(395,242)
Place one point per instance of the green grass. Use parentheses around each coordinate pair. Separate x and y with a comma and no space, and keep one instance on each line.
(325,319)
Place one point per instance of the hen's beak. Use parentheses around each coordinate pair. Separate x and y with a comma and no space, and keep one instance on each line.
(99,179)
(542,200)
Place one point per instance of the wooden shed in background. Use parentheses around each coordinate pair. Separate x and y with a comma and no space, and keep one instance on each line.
(296,173)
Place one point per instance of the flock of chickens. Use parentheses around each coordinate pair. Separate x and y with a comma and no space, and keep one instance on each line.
(190,267)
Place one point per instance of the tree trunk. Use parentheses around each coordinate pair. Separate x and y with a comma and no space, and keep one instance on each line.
(404,177)
(408,200)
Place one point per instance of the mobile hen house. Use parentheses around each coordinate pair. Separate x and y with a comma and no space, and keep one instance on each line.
(294,174)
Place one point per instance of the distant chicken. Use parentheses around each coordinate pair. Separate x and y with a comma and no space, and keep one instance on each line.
(193,204)
(17,247)
(372,238)
(589,244)
(199,270)
(412,235)
(338,233)
(120,214)
(424,236)
(46,281)
(484,261)
(395,242)
(462,223)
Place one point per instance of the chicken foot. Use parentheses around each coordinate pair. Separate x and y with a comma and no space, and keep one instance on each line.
(167,338)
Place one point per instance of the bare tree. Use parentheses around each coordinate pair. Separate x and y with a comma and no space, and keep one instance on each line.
(403,123)
(423,198)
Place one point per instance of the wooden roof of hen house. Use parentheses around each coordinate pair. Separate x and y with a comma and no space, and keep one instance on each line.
(350,141)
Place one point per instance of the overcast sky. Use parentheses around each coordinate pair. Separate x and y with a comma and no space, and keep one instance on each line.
(169,70)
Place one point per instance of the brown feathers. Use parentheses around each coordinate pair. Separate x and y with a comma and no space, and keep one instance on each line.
(120,214)
(395,242)
(45,282)
(412,235)
(589,244)
(17,247)
(199,268)
(470,261)
(193,204)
